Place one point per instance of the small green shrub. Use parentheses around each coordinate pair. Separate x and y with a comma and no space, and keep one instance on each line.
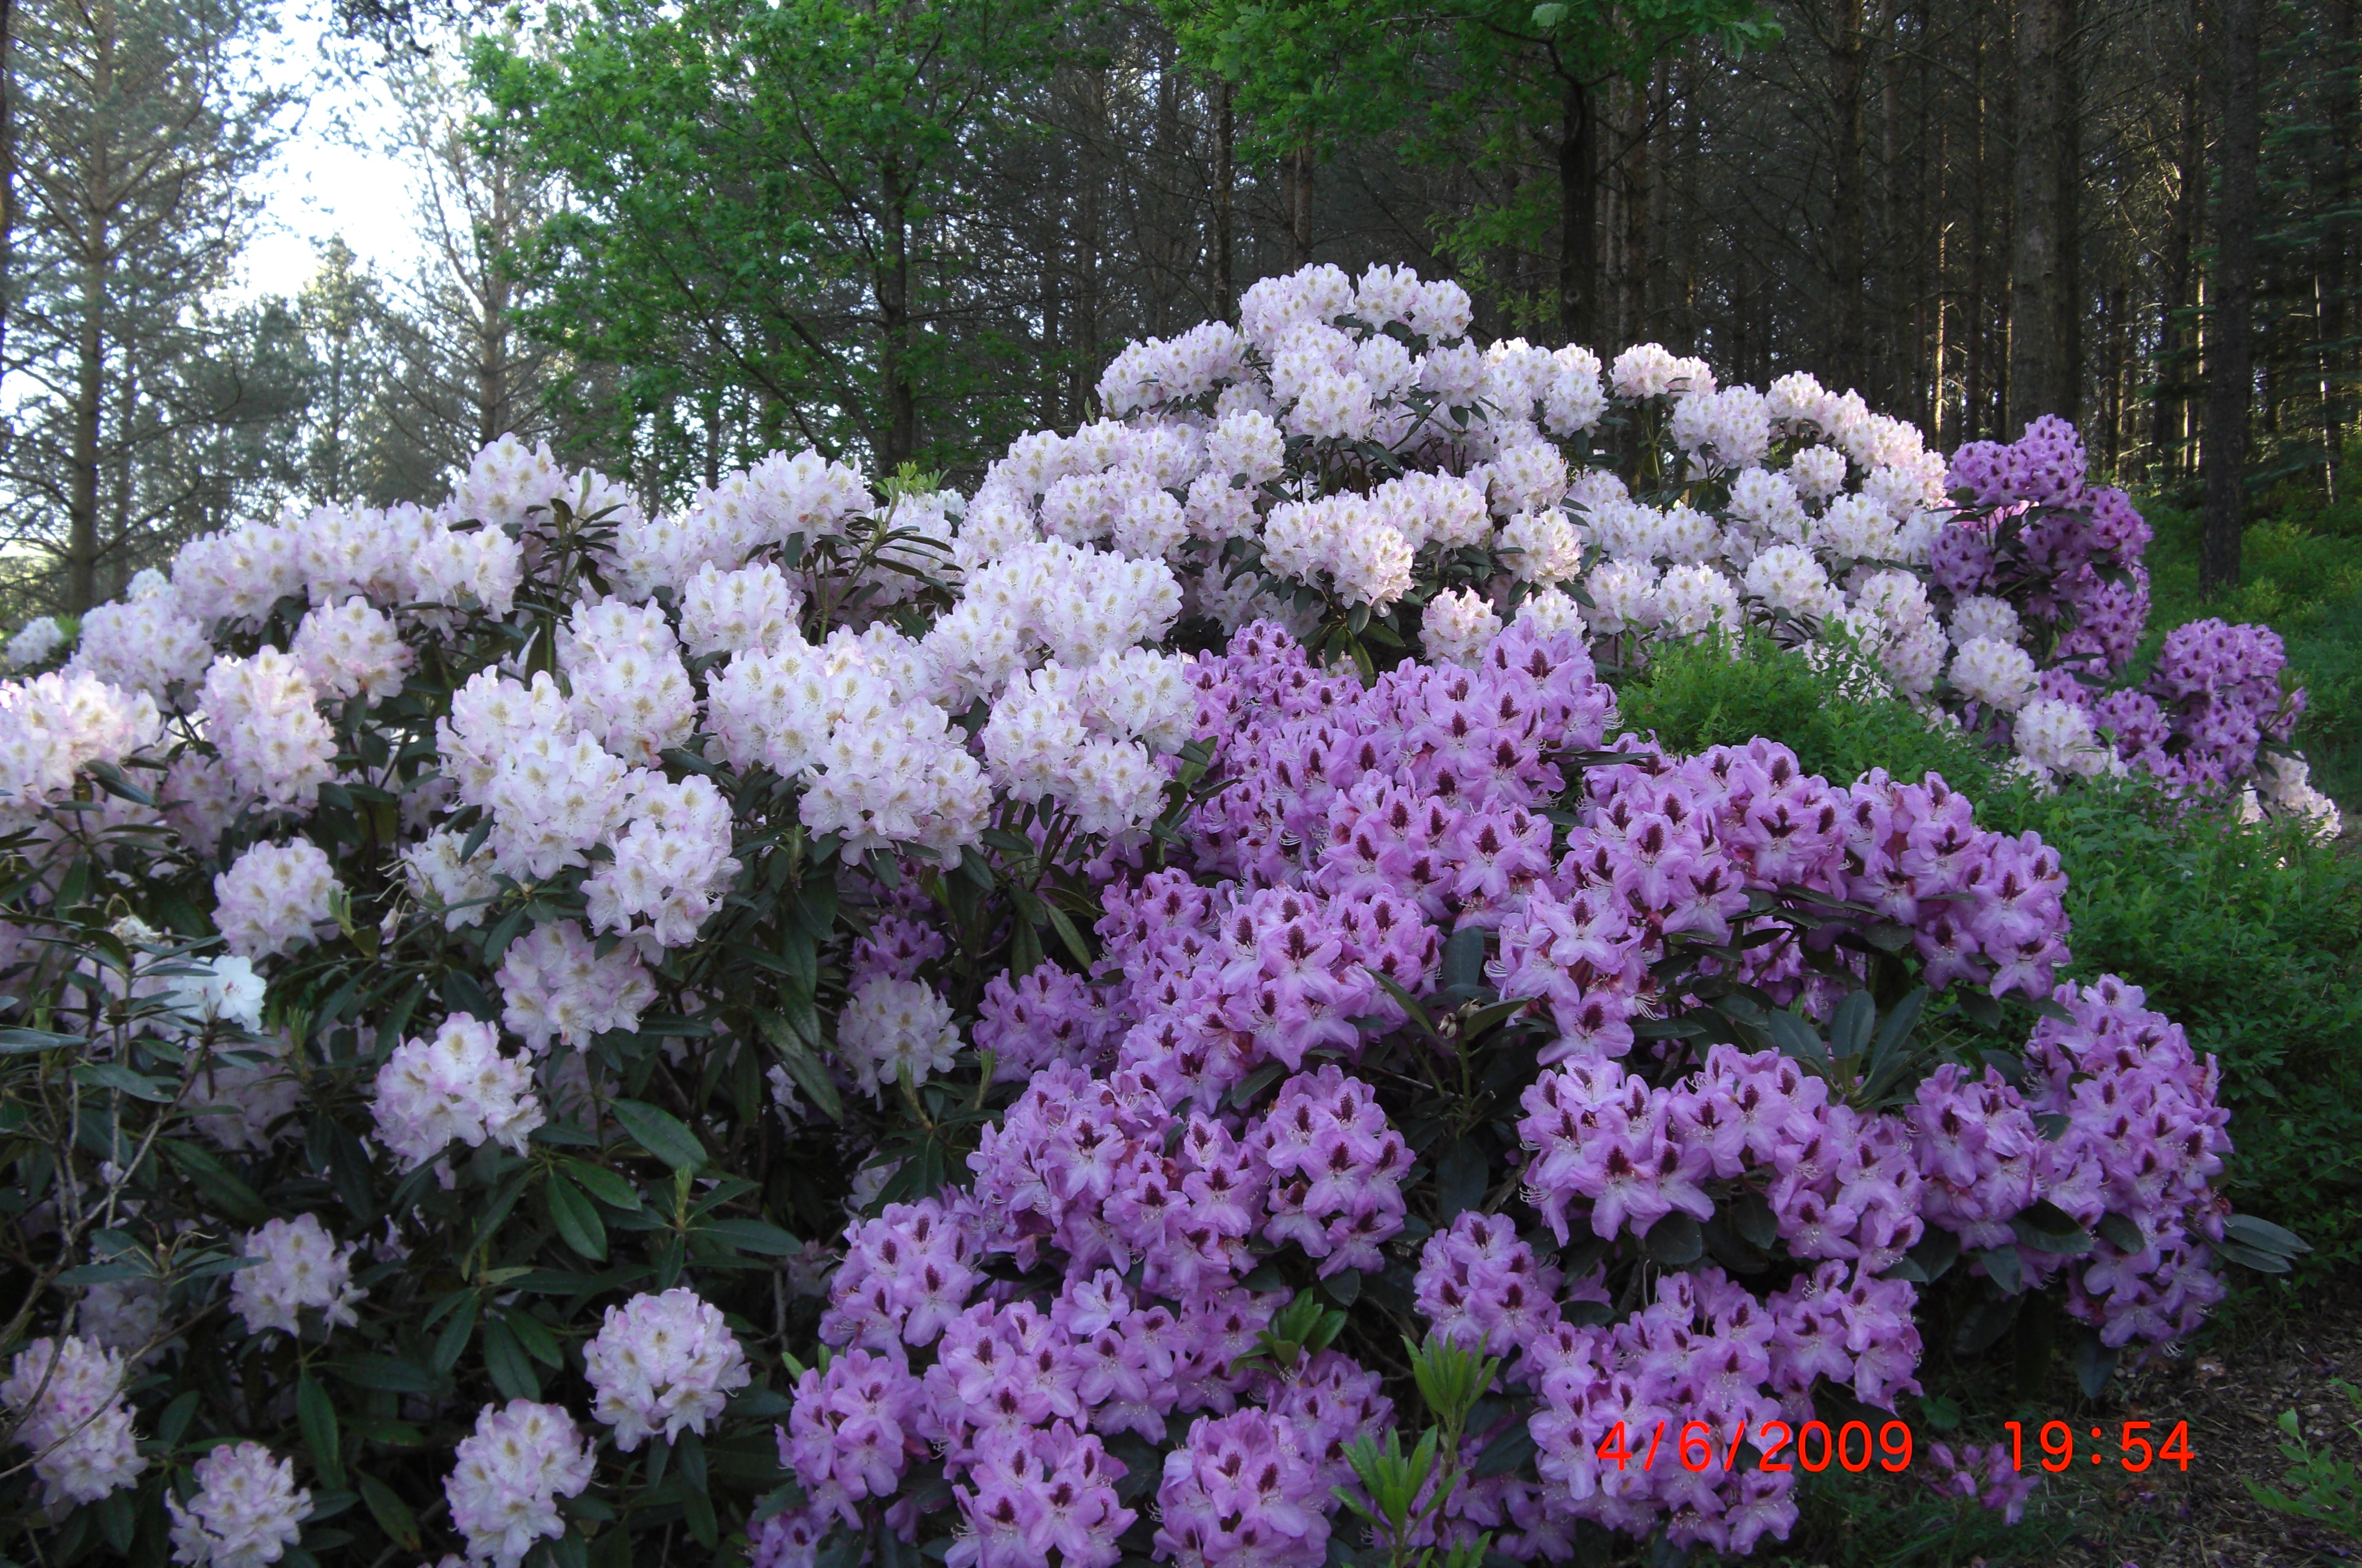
(1694,695)
(2324,1488)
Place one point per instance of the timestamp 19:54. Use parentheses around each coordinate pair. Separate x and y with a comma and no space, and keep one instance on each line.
(2136,1449)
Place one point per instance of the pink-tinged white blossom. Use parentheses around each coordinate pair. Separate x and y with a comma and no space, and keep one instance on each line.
(661,1365)
(67,1397)
(273,899)
(454,1087)
(246,1512)
(512,1470)
(302,1267)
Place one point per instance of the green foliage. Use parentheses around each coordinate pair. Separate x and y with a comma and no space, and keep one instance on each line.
(2323,1488)
(1407,1492)
(1699,694)
(766,201)
(2249,937)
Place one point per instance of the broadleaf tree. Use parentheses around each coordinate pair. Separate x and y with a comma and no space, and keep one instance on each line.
(769,228)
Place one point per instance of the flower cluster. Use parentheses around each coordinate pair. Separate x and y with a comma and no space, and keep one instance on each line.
(67,1398)
(246,1513)
(300,1267)
(456,1086)
(1348,800)
(1987,1477)
(1336,1171)
(662,1366)
(510,1472)
(1703,1350)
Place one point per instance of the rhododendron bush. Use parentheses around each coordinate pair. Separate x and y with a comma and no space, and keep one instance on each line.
(809,1025)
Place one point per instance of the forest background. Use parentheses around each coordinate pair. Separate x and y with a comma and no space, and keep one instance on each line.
(670,238)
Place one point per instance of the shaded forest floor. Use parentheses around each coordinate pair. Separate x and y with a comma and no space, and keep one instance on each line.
(2273,1351)
(2233,1395)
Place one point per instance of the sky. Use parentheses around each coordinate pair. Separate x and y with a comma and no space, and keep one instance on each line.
(333,176)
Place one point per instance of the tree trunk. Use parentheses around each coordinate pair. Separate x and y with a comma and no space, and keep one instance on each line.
(2067,299)
(1299,206)
(1686,184)
(901,426)
(1226,297)
(1972,316)
(89,388)
(7,163)
(1578,196)
(2113,381)
(2173,303)
(2335,289)
(1632,308)
(1846,240)
(2230,368)
(2035,371)
(492,415)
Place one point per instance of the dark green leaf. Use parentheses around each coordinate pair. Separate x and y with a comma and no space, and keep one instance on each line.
(2047,1228)
(1731,1249)
(660,1133)
(176,1417)
(1404,1000)
(386,1374)
(225,1193)
(1254,1083)
(1985,1323)
(1460,1179)
(1797,1038)
(2263,1236)
(1463,959)
(2262,1263)
(2094,1363)
(535,1336)
(1752,1216)
(1676,1241)
(393,1515)
(608,1187)
(116,1522)
(512,1371)
(1507,1452)
(317,1416)
(22,1041)
(2123,1233)
(2004,1268)
(116,1075)
(452,1343)
(577,1218)
(1937,1252)
(755,1236)
(1849,1029)
(1895,1032)
(795,1053)
(1073,938)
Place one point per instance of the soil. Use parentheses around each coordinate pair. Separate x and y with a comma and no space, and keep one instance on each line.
(2269,1351)
(2232,1393)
